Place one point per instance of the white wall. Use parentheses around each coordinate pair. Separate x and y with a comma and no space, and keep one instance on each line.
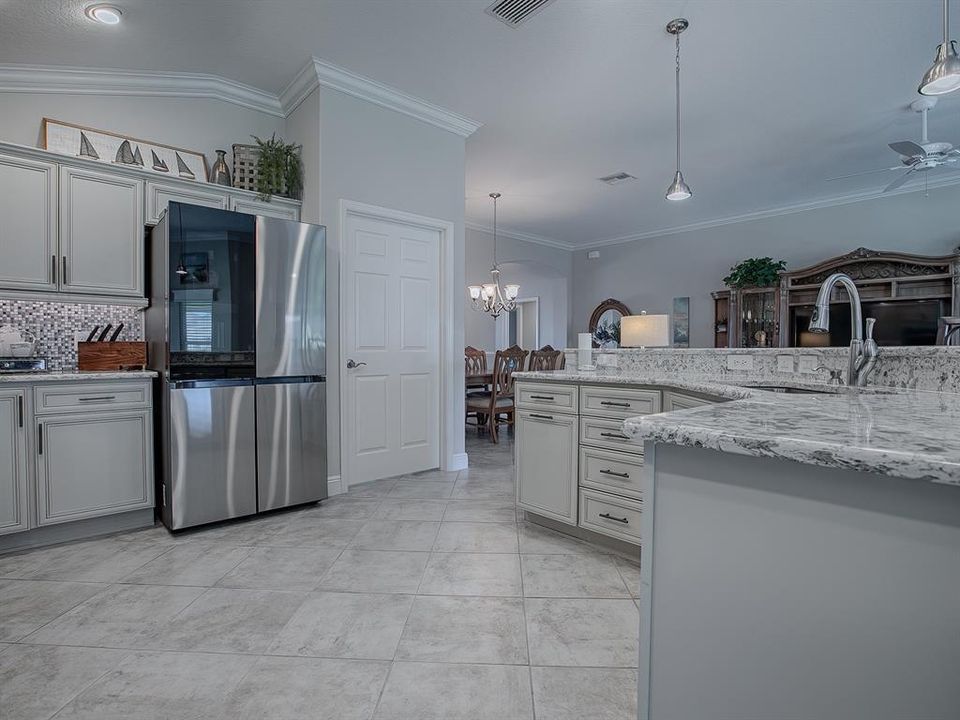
(648,274)
(199,124)
(541,271)
(377,156)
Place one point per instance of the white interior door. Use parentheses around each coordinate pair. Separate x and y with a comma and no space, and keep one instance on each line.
(390,344)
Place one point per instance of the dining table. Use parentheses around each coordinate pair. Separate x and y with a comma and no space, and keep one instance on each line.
(475,380)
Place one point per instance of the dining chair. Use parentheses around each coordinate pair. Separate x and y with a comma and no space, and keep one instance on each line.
(475,364)
(546,358)
(499,406)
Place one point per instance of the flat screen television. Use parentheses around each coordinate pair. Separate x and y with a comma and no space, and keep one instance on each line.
(900,322)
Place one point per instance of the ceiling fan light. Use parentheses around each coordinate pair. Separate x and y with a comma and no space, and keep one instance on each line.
(678,190)
(944,75)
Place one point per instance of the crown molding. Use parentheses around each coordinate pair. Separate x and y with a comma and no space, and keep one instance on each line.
(320,73)
(99,81)
(836,201)
(523,237)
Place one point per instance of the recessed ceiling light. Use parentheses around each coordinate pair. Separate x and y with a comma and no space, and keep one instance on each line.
(106,14)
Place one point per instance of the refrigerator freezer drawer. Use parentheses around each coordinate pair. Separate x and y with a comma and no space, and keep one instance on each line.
(212,454)
(291,444)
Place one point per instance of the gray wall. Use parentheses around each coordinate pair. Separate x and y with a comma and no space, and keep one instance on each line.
(648,274)
(540,271)
(377,156)
(197,124)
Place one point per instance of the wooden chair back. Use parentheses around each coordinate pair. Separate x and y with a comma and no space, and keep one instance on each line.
(505,363)
(546,358)
(475,361)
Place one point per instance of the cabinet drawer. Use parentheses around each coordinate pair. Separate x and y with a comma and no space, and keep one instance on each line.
(609,434)
(91,396)
(610,471)
(680,401)
(617,402)
(541,396)
(610,515)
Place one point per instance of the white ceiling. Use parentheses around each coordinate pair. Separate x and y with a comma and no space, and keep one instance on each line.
(778,94)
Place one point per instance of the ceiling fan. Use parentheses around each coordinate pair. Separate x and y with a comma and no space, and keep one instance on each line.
(917,157)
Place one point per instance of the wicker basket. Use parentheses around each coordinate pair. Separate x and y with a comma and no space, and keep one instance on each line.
(245,166)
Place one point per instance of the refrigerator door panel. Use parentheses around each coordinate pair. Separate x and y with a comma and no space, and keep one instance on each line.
(291,304)
(210,275)
(291,444)
(212,454)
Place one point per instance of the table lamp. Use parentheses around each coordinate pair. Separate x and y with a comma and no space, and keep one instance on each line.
(644,330)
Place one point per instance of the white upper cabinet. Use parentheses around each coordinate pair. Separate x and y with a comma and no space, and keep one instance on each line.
(277,207)
(159,195)
(28,224)
(101,233)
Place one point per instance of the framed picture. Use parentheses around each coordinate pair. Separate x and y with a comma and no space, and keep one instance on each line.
(107,147)
(681,322)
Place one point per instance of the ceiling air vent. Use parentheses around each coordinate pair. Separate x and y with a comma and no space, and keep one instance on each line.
(617,178)
(515,12)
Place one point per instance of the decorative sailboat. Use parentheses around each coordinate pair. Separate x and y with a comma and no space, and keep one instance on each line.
(185,172)
(86,148)
(137,157)
(158,164)
(125,154)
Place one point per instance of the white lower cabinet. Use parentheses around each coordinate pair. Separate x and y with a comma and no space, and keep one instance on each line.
(610,515)
(93,464)
(13,462)
(547,464)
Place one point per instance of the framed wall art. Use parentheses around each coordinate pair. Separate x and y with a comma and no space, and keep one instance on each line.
(79,141)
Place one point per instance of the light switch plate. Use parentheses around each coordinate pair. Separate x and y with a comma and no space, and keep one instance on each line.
(785,363)
(809,363)
(739,362)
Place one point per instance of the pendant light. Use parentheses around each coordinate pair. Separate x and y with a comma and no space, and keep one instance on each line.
(490,298)
(678,190)
(944,75)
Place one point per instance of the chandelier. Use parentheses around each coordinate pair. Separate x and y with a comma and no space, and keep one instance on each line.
(491,298)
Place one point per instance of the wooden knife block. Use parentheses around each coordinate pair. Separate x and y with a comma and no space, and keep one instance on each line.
(111,356)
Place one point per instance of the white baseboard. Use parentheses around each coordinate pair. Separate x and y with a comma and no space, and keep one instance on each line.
(457,461)
(335,486)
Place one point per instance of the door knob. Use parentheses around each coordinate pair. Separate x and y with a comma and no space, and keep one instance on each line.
(351,364)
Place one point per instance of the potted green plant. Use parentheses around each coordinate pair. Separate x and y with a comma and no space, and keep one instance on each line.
(755,272)
(279,169)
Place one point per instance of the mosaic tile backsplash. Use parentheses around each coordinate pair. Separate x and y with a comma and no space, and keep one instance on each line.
(54,326)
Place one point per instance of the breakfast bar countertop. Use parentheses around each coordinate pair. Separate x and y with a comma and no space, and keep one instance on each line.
(888,431)
(74,376)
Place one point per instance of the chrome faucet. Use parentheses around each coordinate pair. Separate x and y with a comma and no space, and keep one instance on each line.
(863,353)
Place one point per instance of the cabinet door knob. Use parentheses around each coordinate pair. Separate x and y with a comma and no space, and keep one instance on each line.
(616,436)
(39,439)
(63,272)
(624,475)
(542,417)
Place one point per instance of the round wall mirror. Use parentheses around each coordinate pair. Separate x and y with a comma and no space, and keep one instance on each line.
(605,323)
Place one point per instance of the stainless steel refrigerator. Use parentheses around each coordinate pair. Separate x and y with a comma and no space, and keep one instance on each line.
(236,331)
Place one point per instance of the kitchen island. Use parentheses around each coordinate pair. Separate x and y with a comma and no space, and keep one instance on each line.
(800,552)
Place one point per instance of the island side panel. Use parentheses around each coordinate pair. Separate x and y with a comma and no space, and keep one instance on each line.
(775,589)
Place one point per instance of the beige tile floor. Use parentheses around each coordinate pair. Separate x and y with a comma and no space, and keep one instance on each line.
(407,599)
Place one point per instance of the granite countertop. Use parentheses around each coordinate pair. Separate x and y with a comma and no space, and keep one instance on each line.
(889,431)
(41,377)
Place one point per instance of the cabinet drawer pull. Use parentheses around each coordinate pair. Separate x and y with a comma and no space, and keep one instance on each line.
(63,272)
(616,436)
(542,417)
(608,516)
(101,398)
(626,476)
(20,410)
(542,397)
(610,403)
(39,439)
(53,269)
